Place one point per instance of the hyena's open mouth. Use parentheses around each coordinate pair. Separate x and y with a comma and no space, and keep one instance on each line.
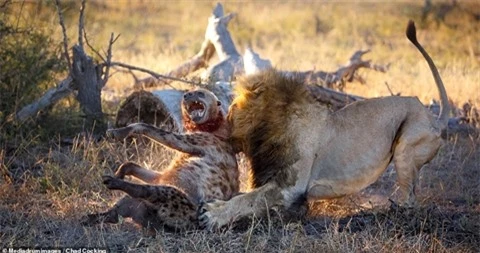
(196,110)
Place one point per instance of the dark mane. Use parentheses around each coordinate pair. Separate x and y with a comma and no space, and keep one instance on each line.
(263,112)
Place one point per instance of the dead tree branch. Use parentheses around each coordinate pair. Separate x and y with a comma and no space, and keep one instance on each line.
(252,63)
(52,96)
(335,99)
(108,61)
(231,62)
(65,37)
(92,48)
(200,60)
(165,79)
(84,76)
(217,40)
(338,78)
(81,26)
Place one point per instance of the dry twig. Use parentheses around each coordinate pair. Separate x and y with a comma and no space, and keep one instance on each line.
(81,26)
(92,48)
(154,74)
(65,37)
(109,60)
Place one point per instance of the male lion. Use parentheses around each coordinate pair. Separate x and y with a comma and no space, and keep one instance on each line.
(298,149)
(205,169)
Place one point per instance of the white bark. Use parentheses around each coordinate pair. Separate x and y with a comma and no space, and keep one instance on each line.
(160,108)
(52,96)
(252,63)
(171,100)
(200,60)
(231,62)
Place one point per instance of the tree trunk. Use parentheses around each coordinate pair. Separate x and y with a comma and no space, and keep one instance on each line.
(87,78)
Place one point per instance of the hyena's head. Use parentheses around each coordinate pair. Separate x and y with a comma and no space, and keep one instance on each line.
(202,111)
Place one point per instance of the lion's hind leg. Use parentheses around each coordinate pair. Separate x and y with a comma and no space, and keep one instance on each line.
(172,207)
(410,154)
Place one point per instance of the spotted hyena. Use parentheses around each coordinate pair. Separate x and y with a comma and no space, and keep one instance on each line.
(204,169)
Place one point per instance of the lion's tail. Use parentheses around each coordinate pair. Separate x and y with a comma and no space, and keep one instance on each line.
(445,106)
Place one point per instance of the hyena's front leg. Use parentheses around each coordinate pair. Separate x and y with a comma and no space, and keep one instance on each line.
(137,171)
(173,208)
(182,143)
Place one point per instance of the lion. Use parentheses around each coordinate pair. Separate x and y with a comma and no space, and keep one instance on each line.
(205,169)
(300,150)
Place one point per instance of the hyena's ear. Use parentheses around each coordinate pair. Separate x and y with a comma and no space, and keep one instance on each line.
(219,103)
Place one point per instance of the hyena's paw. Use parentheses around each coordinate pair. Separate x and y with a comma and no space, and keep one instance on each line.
(112,183)
(125,169)
(96,218)
(89,220)
(118,134)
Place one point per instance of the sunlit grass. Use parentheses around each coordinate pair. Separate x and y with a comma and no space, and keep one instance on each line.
(294,36)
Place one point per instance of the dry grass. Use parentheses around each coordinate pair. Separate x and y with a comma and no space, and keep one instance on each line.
(50,183)
(45,203)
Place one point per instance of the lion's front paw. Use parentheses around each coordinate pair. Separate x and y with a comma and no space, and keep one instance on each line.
(210,215)
(112,183)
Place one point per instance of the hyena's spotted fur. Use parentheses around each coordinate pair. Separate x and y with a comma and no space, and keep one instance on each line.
(205,169)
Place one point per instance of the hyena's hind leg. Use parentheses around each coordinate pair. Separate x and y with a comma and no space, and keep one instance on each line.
(173,207)
(135,170)
(140,212)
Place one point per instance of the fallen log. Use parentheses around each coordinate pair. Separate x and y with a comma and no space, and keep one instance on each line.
(162,107)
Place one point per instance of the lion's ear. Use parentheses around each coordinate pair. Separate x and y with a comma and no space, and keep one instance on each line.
(219,103)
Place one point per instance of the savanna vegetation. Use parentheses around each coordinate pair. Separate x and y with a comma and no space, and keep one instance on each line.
(51,166)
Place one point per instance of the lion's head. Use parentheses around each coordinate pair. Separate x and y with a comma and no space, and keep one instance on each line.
(259,117)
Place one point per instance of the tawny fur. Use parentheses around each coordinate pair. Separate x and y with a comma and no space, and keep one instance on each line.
(204,169)
(298,149)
